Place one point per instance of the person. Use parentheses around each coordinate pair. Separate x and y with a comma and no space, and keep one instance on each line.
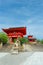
(15,47)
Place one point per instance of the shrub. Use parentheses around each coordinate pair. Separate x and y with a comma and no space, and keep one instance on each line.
(38,40)
(3,38)
(15,40)
(41,41)
(23,40)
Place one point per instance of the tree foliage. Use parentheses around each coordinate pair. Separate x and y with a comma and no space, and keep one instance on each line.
(15,40)
(41,41)
(3,38)
(23,40)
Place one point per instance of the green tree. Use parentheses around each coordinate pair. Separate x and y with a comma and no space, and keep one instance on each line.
(38,40)
(15,40)
(41,41)
(23,40)
(3,38)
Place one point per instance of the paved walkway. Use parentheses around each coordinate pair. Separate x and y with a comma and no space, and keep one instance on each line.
(35,59)
(26,58)
(3,54)
(10,59)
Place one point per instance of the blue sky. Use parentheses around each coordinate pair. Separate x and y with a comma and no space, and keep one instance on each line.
(17,13)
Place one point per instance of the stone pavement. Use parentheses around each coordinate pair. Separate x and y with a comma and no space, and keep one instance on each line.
(3,54)
(35,59)
(26,58)
(27,48)
(18,59)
